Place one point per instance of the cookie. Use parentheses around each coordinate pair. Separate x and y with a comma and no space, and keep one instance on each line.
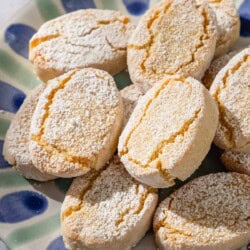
(236,162)
(130,96)
(215,68)
(76,124)
(228,23)
(169,132)
(174,37)
(16,143)
(107,210)
(230,90)
(211,212)
(85,38)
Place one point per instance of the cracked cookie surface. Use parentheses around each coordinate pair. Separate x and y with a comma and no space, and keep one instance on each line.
(236,162)
(210,212)
(230,90)
(86,38)
(215,68)
(174,37)
(169,132)
(107,210)
(228,23)
(16,143)
(76,123)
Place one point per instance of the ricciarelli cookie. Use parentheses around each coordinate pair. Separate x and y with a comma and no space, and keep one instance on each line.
(236,162)
(228,23)
(174,37)
(76,124)
(211,212)
(169,132)
(16,143)
(107,210)
(130,96)
(230,90)
(85,38)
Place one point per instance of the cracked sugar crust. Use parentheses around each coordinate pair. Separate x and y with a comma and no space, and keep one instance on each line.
(230,90)
(169,132)
(107,210)
(236,162)
(130,96)
(228,24)
(76,123)
(85,38)
(211,212)
(174,37)
(215,68)
(16,143)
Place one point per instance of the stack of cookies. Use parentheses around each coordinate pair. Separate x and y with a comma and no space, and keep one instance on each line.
(124,145)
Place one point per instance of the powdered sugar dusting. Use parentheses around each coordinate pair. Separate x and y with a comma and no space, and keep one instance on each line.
(109,210)
(209,211)
(16,145)
(74,120)
(228,24)
(174,37)
(85,38)
(230,90)
(130,96)
(236,161)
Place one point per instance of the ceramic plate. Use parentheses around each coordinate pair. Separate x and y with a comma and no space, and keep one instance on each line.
(29,210)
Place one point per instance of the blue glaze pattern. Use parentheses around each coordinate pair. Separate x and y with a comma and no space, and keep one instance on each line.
(3,163)
(12,98)
(22,205)
(244,12)
(73,5)
(136,7)
(17,36)
(57,244)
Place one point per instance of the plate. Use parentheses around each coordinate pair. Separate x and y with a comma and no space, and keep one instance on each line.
(29,210)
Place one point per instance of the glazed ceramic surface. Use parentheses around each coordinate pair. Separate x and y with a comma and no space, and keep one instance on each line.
(29,210)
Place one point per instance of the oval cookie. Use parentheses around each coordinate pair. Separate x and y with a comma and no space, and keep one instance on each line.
(107,210)
(230,90)
(130,96)
(76,123)
(210,212)
(228,23)
(174,37)
(236,162)
(85,38)
(169,132)
(16,143)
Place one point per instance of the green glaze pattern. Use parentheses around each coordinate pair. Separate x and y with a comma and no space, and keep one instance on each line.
(23,235)
(47,9)
(10,179)
(17,71)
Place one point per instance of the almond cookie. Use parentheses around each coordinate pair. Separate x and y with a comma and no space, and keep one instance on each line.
(16,143)
(230,90)
(85,38)
(76,124)
(107,210)
(169,132)
(130,96)
(174,37)
(236,162)
(228,23)
(211,212)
